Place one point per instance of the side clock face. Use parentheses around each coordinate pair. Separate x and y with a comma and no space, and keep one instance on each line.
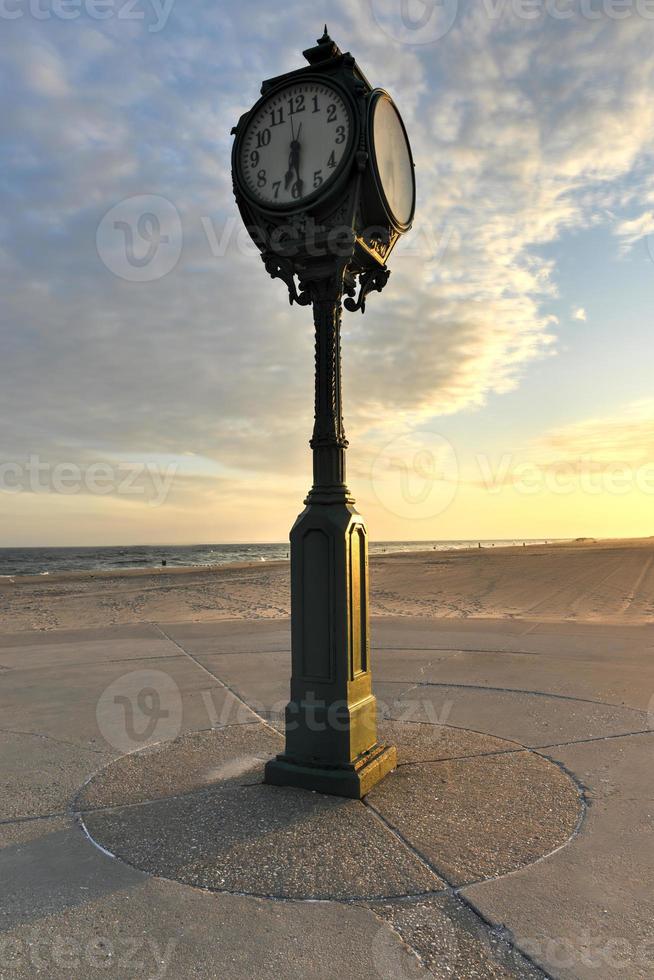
(392,160)
(295,144)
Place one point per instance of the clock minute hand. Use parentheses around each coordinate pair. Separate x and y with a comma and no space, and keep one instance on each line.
(293,163)
(297,147)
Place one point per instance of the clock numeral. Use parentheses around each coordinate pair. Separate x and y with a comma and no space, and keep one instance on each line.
(296,104)
(317,179)
(254,158)
(277,184)
(340,134)
(263,138)
(296,190)
(331,163)
(276,117)
(331,113)
(261,178)
(316,107)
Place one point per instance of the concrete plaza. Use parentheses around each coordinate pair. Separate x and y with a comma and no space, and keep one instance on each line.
(514,839)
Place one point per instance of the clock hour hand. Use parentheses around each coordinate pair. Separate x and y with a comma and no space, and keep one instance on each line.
(293,164)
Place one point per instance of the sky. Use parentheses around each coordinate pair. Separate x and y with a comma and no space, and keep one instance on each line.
(156,385)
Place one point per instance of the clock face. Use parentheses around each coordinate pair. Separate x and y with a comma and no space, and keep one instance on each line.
(393,160)
(295,144)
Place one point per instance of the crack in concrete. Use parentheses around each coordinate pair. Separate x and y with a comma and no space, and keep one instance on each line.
(309,899)
(215,678)
(394,832)
(95,663)
(473,731)
(452,890)
(540,694)
(517,690)
(462,758)
(596,738)
(517,653)
(8,821)
(389,925)
(52,738)
(583,792)
(507,935)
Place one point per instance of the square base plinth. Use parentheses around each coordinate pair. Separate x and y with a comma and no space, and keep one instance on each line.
(355,781)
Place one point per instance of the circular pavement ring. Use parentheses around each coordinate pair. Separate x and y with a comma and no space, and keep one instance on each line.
(461,807)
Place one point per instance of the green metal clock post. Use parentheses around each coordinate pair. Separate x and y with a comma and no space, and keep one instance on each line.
(331,718)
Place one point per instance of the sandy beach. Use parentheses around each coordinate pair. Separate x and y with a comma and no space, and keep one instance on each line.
(608,581)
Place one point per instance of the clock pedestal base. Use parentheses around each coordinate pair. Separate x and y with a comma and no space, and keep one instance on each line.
(331,719)
(354,781)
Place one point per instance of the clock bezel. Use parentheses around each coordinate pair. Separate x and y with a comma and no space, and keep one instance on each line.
(375,96)
(330,186)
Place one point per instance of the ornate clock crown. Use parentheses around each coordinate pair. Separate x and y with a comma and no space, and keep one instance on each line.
(324,50)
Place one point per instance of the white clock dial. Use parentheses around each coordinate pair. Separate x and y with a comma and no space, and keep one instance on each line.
(393,159)
(295,143)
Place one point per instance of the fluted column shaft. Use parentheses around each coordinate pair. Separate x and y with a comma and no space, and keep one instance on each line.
(328,441)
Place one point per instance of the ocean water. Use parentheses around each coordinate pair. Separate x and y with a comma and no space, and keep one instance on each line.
(47,561)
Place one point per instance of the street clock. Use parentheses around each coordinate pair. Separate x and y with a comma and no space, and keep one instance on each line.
(319,155)
(324,180)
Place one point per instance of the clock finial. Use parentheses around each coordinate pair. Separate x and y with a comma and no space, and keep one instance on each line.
(324,50)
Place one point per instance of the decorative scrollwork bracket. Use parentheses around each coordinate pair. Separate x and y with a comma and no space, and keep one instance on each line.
(371,281)
(279,267)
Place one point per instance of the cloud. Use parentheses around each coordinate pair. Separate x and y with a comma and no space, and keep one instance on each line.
(580,314)
(632,231)
(521,131)
(626,436)
(590,448)
(512,151)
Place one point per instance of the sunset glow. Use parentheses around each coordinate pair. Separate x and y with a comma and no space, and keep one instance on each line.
(515,329)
